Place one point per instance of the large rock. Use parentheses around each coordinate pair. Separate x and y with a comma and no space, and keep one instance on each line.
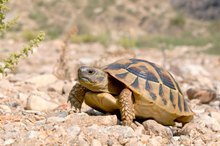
(40,102)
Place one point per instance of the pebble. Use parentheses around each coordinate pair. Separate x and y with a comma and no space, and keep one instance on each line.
(204,95)
(73,131)
(23,97)
(82,142)
(155,141)
(157,129)
(2,96)
(39,103)
(33,134)
(96,142)
(210,122)
(42,80)
(5,108)
(9,141)
(56,119)
(216,115)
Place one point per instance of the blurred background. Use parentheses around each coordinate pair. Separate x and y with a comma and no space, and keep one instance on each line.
(182,36)
(128,23)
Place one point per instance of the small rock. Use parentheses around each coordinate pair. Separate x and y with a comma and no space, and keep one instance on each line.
(96,142)
(102,133)
(204,95)
(33,134)
(198,142)
(133,142)
(23,97)
(210,122)
(73,131)
(55,119)
(145,139)
(157,129)
(110,142)
(82,142)
(155,141)
(185,140)
(9,141)
(176,138)
(2,96)
(139,130)
(216,115)
(5,108)
(42,80)
(35,102)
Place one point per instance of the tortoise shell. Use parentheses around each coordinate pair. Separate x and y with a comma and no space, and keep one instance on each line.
(156,93)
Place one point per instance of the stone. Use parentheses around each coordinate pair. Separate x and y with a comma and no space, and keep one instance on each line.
(39,103)
(145,139)
(155,141)
(73,131)
(9,141)
(33,134)
(82,142)
(55,119)
(157,129)
(42,80)
(96,142)
(216,115)
(102,133)
(2,95)
(23,97)
(5,108)
(185,140)
(204,95)
(210,122)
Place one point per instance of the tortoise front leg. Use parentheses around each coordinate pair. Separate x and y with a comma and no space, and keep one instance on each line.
(76,96)
(126,107)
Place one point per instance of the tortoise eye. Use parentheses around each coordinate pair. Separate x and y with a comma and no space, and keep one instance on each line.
(91,71)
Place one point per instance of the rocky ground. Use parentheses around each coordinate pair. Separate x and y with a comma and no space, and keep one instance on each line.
(34,111)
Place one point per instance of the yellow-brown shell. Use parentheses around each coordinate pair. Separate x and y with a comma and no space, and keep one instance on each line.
(153,84)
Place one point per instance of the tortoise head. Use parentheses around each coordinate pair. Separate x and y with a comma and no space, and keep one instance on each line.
(92,78)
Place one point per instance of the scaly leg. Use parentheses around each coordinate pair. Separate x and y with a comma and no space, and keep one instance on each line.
(126,107)
(76,96)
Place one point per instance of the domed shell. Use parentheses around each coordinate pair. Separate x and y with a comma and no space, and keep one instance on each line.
(152,84)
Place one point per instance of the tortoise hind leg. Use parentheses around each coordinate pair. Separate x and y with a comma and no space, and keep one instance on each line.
(76,96)
(126,107)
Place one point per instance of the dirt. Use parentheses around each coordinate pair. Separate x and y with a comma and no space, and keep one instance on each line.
(34,111)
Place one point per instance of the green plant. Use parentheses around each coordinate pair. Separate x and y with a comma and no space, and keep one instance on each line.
(178,20)
(5,25)
(127,42)
(12,60)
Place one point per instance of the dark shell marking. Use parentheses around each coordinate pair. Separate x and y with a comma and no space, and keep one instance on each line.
(151,73)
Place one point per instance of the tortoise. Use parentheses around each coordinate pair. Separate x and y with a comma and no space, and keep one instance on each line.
(134,88)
